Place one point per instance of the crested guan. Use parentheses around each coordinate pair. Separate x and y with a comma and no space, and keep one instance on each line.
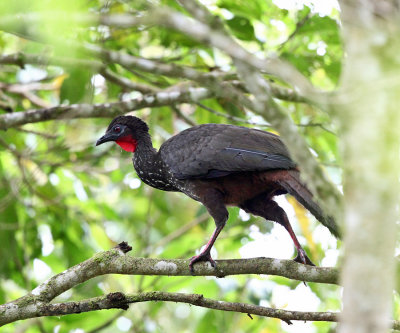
(220,165)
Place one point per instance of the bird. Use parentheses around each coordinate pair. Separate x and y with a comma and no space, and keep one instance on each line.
(220,165)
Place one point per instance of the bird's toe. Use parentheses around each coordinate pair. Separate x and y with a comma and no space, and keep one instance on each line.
(204,256)
(302,258)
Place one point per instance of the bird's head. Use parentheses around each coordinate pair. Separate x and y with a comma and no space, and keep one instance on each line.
(126,131)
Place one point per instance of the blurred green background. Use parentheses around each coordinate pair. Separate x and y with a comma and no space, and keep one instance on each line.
(62,199)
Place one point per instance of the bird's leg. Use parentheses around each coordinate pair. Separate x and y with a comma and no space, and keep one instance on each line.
(270,210)
(301,257)
(205,255)
(214,203)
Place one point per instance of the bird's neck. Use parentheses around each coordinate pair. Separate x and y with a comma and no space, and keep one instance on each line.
(150,167)
(144,148)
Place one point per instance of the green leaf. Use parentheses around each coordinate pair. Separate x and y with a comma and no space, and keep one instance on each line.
(241,27)
(77,86)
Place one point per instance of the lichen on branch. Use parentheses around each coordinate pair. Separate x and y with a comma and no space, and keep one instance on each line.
(115,261)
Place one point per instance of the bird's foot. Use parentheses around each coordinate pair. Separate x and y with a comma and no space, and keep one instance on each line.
(203,256)
(302,258)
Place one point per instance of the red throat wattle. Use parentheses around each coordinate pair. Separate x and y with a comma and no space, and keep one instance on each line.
(127,143)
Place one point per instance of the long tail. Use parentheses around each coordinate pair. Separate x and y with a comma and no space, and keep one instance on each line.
(295,187)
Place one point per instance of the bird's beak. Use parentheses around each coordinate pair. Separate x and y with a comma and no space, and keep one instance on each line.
(105,138)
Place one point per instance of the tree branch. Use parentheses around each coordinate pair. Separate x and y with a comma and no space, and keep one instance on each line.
(214,37)
(127,84)
(299,25)
(182,94)
(114,261)
(21,59)
(130,62)
(37,303)
(118,300)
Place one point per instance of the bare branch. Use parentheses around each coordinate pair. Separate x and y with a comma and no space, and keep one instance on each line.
(320,125)
(155,67)
(37,302)
(41,134)
(118,300)
(182,116)
(116,262)
(130,62)
(22,88)
(195,29)
(107,323)
(127,84)
(21,59)
(230,117)
(179,232)
(184,95)
(299,25)
(26,91)
(214,37)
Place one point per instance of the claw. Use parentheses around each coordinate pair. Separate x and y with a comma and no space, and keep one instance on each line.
(204,256)
(302,258)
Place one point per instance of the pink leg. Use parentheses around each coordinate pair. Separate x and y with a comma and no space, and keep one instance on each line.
(205,255)
(301,254)
(213,201)
(270,210)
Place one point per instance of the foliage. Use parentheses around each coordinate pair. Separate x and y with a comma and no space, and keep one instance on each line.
(62,199)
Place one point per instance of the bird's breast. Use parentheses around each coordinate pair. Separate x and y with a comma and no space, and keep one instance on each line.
(154,173)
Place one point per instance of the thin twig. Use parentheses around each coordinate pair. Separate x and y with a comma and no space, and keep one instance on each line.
(127,84)
(107,323)
(179,232)
(320,125)
(298,27)
(230,117)
(44,135)
(182,116)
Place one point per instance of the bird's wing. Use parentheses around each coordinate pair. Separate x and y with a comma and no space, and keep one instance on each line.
(215,150)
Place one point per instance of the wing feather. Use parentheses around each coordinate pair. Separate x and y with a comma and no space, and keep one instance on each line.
(216,150)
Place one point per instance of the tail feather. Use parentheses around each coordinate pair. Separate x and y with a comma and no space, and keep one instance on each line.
(294,186)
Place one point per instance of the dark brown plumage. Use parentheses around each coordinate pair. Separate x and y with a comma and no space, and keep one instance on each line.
(220,165)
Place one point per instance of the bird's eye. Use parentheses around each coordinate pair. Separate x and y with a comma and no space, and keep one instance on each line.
(117,129)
